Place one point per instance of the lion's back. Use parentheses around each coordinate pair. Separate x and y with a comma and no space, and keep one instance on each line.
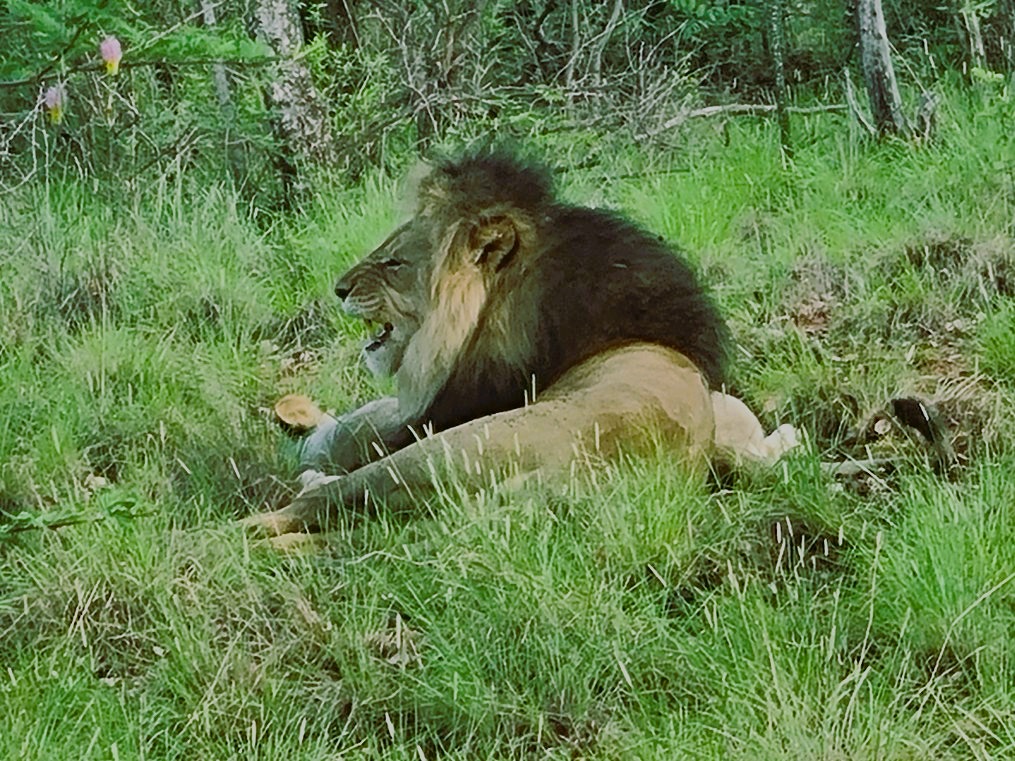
(605,281)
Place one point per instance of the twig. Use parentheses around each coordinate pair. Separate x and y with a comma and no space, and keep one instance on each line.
(199,13)
(854,105)
(36,78)
(856,467)
(76,520)
(56,58)
(736,109)
(39,521)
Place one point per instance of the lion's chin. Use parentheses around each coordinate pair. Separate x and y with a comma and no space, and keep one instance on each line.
(382,336)
(382,358)
(379,351)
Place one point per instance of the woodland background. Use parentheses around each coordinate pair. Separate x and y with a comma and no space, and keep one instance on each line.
(182,181)
(261,91)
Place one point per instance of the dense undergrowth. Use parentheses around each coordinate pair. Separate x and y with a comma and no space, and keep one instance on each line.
(787,615)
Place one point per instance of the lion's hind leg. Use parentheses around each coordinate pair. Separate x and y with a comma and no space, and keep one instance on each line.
(740,439)
(520,441)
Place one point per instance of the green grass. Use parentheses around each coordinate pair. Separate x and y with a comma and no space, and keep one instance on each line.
(783,615)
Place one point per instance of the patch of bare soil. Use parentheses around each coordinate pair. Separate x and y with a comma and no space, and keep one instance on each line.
(978,270)
(973,411)
(817,289)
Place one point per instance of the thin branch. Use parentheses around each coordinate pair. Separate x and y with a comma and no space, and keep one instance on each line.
(575,47)
(39,77)
(868,467)
(735,109)
(56,58)
(602,40)
(199,13)
(854,105)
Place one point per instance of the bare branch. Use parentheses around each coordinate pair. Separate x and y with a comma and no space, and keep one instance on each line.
(602,40)
(854,105)
(735,109)
(97,66)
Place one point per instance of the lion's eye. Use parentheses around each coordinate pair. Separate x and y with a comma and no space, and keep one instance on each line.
(392,263)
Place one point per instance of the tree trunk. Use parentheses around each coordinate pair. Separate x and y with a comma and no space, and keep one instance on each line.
(776,45)
(301,118)
(878,73)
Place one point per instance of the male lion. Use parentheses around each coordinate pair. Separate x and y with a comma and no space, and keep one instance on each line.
(523,333)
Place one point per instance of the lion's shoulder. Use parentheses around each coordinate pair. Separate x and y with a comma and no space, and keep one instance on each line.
(601,280)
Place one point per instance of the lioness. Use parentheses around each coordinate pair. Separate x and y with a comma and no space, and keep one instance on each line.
(523,333)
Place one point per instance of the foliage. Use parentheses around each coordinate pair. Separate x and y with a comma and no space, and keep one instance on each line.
(157,112)
(400,76)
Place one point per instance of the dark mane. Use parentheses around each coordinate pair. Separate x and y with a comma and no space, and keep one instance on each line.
(621,285)
(593,280)
(486,178)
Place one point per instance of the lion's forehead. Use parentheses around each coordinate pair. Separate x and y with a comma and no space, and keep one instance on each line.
(410,241)
(399,237)
(391,278)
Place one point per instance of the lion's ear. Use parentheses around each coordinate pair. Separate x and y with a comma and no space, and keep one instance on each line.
(493,242)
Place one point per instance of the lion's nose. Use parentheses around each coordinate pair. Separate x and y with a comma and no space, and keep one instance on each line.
(342,289)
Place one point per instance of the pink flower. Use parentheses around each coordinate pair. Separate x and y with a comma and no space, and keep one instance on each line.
(111,54)
(54,102)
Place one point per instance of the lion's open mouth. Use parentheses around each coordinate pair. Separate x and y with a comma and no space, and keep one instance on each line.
(382,335)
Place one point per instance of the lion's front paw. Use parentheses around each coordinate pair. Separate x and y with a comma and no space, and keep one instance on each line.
(274,523)
(313,479)
(298,543)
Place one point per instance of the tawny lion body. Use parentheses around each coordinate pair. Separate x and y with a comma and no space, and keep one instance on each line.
(621,400)
(524,335)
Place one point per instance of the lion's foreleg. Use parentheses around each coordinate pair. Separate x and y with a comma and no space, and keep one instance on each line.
(617,402)
(342,444)
(543,437)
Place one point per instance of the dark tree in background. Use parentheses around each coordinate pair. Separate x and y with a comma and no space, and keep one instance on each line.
(265,91)
(339,21)
(300,116)
(878,72)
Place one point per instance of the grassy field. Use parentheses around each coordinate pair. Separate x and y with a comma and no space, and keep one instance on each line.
(780,616)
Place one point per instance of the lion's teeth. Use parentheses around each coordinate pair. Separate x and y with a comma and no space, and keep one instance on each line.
(380,337)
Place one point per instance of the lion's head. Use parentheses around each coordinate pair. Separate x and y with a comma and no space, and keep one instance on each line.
(386,290)
(494,287)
